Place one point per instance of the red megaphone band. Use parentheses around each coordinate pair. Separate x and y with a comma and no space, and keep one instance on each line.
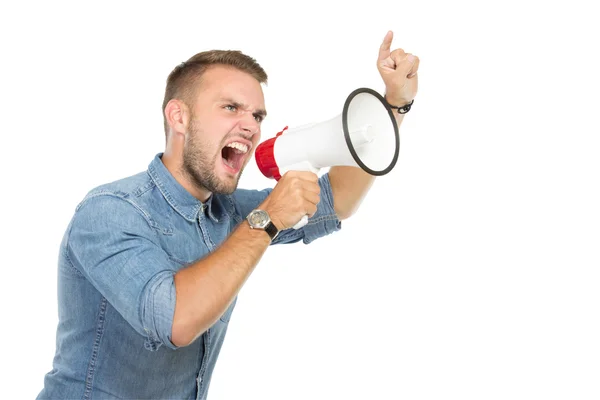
(265,157)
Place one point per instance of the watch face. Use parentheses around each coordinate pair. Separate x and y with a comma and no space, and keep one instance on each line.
(258,219)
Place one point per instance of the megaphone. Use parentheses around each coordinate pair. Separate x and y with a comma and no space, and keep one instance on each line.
(364,135)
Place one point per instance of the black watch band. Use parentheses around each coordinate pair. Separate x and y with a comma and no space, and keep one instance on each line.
(271,230)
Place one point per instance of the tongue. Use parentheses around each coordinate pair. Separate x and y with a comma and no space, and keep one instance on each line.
(228,163)
(232,158)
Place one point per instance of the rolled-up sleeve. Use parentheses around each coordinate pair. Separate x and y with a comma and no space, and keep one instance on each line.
(112,243)
(324,222)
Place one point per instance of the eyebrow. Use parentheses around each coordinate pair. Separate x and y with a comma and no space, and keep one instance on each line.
(260,112)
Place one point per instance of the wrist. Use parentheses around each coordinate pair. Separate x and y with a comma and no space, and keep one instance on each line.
(256,234)
(396,99)
(260,220)
(272,214)
(402,106)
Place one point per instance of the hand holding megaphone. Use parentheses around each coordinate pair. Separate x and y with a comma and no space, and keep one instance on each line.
(364,135)
(301,166)
(295,196)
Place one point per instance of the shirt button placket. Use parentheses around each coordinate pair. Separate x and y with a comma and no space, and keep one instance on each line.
(202,226)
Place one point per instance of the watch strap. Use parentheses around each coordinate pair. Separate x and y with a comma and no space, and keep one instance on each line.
(272,230)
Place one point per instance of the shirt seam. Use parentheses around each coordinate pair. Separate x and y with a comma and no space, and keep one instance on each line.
(147,217)
(89,379)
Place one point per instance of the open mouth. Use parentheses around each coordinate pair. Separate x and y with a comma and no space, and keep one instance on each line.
(233,156)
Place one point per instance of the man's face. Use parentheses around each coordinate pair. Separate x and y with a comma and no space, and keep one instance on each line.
(224,129)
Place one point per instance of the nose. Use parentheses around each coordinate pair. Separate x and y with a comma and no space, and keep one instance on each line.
(249,124)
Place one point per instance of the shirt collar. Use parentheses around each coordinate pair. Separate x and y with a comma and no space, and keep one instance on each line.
(180,199)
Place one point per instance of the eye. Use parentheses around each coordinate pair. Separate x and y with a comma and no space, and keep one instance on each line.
(230,107)
(258,118)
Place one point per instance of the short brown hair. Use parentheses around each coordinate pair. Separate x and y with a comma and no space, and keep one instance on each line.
(183,80)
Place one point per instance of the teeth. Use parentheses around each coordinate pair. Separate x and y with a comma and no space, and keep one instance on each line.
(242,148)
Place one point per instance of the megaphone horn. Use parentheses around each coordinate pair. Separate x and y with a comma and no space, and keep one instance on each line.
(364,135)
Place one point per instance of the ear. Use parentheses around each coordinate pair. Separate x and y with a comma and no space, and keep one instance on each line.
(177,116)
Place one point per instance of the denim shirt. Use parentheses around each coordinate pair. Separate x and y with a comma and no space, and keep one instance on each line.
(116,291)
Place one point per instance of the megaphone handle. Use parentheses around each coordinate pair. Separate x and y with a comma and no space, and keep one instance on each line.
(302,222)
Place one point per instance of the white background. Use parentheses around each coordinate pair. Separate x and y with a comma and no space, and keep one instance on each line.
(471,270)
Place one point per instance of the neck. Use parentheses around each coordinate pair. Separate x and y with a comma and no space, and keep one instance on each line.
(175,167)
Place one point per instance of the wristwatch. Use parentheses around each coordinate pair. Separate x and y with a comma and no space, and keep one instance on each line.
(259,219)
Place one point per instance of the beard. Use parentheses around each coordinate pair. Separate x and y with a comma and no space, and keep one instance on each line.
(199,166)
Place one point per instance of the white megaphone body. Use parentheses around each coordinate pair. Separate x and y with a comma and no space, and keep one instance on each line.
(364,135)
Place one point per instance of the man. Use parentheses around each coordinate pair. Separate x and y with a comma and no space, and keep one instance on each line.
(150,265)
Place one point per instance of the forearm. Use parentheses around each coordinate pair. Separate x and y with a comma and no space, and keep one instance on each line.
(350,185)
(206,288)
